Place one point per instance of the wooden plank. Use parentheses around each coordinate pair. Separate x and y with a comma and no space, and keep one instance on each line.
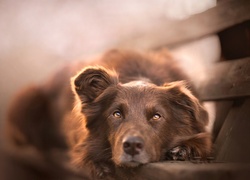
(169,33)
(189,171)
(222,109)
(226,80)
(235,41)
(233,143)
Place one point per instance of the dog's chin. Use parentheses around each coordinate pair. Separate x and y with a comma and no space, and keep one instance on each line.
(130,164)
(130,161)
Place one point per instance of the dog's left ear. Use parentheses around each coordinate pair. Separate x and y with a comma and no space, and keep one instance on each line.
(92,81)
(184,98)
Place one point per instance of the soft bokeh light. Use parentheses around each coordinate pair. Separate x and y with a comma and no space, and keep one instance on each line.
(38,37)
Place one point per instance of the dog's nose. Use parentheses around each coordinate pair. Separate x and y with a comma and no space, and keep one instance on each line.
(133,145)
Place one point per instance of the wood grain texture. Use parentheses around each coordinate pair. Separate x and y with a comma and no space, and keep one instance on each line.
(226,80)
(232,144)
(170,33)
(190,171)
(222,109)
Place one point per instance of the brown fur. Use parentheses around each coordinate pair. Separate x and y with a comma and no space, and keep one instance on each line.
(123,110)
(137,87)
(34,146)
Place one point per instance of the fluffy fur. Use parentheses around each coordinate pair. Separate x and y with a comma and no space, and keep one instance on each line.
(120,111)
(132,109)
(34,146)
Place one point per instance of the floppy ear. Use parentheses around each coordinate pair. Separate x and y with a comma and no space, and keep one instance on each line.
(184,98)
(92,81)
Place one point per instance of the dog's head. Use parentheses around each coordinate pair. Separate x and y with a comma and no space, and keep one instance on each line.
(137,121)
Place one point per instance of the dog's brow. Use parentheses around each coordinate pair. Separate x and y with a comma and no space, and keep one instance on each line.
(123,106)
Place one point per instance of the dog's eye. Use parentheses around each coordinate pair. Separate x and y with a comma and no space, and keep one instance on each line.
(117,114)
(156,117)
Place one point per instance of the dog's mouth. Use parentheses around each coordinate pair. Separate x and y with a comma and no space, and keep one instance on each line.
(132,163)
(126,160)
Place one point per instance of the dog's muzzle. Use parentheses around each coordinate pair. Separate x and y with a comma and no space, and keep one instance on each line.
(133,145)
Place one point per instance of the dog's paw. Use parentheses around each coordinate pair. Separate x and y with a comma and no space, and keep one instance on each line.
(103,171)
(180,153)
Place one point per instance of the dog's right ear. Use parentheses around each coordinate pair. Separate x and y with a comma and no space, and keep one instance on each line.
(92,81)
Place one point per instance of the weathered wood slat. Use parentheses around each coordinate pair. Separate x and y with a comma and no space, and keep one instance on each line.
(232,144)
(191,171)
(222,108)
(169,33)
(226,80)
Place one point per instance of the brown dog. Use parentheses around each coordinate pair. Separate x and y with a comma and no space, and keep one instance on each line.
(132,109)
(129,109)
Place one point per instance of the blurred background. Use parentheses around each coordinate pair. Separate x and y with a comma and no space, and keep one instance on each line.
(38,37)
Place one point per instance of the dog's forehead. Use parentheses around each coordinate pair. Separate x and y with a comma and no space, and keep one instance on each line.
(138,90)
(137,84)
